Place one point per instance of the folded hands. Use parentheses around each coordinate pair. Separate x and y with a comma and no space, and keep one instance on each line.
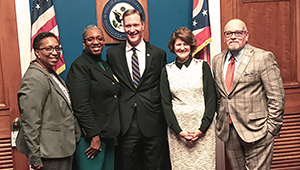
(191,135)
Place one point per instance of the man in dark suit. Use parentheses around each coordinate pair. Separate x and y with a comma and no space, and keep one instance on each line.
(143,128)
(251,100)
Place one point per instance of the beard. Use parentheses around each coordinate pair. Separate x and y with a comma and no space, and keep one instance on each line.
(235,48)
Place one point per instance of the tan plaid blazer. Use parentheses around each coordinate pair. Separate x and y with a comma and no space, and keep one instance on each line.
(256,100)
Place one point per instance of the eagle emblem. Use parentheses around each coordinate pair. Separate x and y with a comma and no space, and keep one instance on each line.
(112,16)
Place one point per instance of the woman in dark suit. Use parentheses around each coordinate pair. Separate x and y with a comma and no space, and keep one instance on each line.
(47,135)
(94,94)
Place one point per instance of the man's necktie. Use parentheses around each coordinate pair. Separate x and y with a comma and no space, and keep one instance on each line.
(135,68)
(229,78)
(230,74)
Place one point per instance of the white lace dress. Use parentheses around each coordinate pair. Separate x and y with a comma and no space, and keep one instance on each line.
(186,87)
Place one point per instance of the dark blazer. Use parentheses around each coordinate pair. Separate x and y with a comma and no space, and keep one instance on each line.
(48,124)
(94,94)
(256,100)
(146,97)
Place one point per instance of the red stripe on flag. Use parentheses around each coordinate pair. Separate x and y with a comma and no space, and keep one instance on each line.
(202,36)
(60,66)
(201,22)
(195,3)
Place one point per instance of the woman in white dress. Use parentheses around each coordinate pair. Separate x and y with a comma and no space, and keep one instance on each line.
(189,103)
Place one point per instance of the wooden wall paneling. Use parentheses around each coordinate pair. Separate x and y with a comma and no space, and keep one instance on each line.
(292,104)
(3,99)
(270,27)
(287,146)
(6,162)
(296,35)
(227,11)
(6,157)
(274,25)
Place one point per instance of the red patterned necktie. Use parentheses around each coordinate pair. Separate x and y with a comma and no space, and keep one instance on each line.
(230,74)
(229,78)
(135,68)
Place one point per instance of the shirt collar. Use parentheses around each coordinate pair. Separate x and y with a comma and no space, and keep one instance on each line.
(237,56)
(139,47)
(186,63)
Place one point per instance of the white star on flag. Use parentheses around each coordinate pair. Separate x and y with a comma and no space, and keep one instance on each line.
(194,23)
(37,6)
(204,12)
(201,29)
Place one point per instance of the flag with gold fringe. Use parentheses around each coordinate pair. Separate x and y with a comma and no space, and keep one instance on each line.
(201,29)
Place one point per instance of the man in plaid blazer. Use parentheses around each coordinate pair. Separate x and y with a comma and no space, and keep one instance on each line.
(251,100)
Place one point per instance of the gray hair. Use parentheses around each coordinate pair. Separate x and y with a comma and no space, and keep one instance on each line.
(90,27)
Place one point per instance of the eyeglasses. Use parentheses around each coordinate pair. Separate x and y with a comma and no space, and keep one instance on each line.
(50,49)
(238,34)
(92,39)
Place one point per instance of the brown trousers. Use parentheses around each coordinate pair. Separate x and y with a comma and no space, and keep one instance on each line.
(249,156)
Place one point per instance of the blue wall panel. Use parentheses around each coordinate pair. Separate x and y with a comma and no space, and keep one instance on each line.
(74,15)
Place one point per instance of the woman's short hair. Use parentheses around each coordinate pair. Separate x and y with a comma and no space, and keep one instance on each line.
(90,27)
(185,35)
(37,40)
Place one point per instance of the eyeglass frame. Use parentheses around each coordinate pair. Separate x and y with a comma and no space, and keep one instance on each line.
(235,33)
(50,49)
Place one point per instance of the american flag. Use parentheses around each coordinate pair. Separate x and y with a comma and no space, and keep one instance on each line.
(43,20)
(201,29)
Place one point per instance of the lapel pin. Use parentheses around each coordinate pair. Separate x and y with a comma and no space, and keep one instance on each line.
(245,59)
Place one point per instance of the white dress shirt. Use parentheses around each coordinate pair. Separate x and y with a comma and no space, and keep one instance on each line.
(141,53)
(237,58)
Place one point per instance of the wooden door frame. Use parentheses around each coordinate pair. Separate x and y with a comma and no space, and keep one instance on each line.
(11,70)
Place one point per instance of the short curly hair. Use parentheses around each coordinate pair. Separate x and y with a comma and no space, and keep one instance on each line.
(186,35)
(37,40)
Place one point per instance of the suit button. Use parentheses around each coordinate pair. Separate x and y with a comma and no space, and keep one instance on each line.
(112,83)
(135,104)
(115,96)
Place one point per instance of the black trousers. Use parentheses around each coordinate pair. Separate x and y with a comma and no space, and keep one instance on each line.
(137,152)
